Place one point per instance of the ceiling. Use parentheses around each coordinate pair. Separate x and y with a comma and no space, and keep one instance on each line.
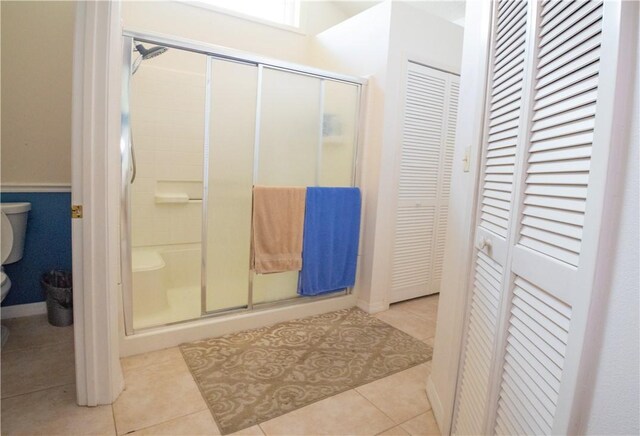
(450,10)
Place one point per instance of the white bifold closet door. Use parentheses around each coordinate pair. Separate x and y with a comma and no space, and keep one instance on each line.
(428,136)
(541,198)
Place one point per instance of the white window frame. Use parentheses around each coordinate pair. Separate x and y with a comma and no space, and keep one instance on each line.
(294,9)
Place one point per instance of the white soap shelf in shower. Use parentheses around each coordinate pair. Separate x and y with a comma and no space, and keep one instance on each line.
(172,198)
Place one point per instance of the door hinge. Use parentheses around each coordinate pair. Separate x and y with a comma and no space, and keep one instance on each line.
(76,211)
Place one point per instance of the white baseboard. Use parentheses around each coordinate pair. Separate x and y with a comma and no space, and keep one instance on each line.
(20,310)
(372,307)
(436,405)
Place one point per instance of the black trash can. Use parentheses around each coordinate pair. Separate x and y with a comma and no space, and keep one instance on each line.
(58,288)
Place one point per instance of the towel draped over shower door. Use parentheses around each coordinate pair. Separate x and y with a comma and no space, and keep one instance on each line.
(277,228)
(331,236)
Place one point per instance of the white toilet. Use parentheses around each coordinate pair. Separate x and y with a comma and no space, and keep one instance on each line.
(13,228)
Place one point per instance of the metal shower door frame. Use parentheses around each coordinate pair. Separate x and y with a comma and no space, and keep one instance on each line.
(214,52)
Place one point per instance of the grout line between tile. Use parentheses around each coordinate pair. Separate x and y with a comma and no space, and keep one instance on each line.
(159,423)
(380,410)
(395,424)
(33,347)
(37,390)
(113,416)
(153,364)
(55,344)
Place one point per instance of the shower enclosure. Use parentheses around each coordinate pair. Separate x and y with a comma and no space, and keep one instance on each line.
(201,125)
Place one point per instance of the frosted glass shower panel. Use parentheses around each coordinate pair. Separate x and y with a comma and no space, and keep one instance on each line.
(289,129)
(234,89)
(339,121)
(167,107)
(167,120)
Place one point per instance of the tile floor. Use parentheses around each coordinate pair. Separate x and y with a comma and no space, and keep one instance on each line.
(161,398)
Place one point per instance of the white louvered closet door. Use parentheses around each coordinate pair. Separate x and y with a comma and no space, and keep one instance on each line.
(533,323)
(428,136)
(499,149)
(551,268)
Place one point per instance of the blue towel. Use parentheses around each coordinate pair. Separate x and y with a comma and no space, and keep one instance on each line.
(330,240)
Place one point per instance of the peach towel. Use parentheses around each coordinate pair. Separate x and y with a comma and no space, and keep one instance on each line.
(277,226)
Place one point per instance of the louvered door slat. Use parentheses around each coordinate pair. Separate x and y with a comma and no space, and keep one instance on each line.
(532,371)
(483,318)
(504,115)
(520,412)
(536,372)
(509,85)
(564,123)
(568,56)
(585,13)
(565,73)
(557,51)
(556,9)
(553,84)
(507,19)
(521,385)
(593,17)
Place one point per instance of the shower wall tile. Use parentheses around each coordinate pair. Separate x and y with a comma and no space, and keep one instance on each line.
(184,157)
(145,156)
(144,184)
(169,171)
(146,170)
(167,107)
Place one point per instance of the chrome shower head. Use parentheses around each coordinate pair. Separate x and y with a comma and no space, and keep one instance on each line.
(150,53)
(145,54)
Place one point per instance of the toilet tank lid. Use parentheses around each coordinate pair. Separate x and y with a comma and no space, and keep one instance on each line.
(15,207)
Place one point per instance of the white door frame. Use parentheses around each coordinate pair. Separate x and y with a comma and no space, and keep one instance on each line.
(441,383)
(95,136)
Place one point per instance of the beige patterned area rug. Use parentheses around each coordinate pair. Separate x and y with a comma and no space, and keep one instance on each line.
(250,377)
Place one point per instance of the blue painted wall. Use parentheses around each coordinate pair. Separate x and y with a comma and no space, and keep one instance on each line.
(47,245)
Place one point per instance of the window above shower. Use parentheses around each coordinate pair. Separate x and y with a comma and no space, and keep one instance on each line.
(272,12)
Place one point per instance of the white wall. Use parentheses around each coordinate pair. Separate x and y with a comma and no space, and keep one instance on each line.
(360,46)
(377,44)
(317,16)
(616,381)
(418,36)
(441,386)
(188,21)
(37,54)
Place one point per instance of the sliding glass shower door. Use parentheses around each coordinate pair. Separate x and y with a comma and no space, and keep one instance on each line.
(233,89)
(163,180)
(288,154)
(199,131)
